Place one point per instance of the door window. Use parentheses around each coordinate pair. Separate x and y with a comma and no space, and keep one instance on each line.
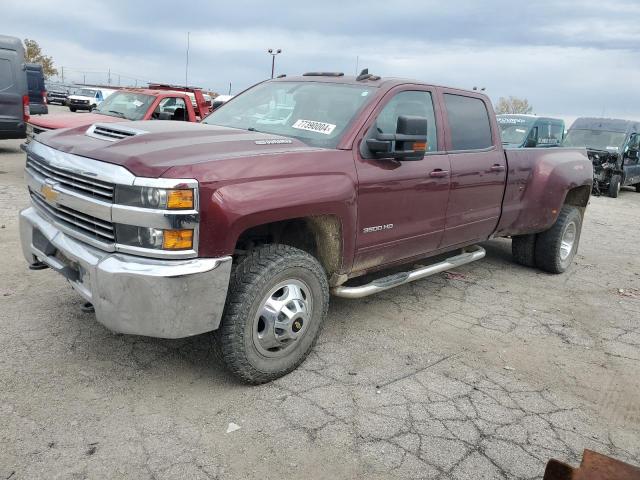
(171,108)
(468,122)
(6,74)
(413,103)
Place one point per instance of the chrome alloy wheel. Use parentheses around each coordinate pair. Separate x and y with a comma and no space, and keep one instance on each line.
(283,318)
(568,240)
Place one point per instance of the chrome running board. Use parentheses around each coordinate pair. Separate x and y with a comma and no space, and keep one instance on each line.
(468,255)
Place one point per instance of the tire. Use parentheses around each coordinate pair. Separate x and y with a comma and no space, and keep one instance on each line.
(523,250)
(73,109)
(614,186)
(272,274)
(91,108)
(552,254)
(637,187)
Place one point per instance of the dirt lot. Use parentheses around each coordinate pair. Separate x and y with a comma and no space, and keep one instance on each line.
(485,373)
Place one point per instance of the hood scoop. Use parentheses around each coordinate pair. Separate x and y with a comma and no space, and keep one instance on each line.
(111,132)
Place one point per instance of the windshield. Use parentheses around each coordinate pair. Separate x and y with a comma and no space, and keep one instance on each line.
(514,129)
(129,105)
(595,139)
(315,113)
(86,92)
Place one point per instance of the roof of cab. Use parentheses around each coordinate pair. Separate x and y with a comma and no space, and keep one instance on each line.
(609,124)
(375,81)
(10,43)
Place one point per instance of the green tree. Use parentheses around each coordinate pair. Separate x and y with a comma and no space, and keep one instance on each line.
(33,54)
(513,105)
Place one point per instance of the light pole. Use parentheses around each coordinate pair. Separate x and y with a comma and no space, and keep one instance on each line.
(273,58)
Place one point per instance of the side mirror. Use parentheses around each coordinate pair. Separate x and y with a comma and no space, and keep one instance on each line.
(532,139)
(408,143)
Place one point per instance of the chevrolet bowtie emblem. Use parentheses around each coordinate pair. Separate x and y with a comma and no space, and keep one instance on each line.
(49,193)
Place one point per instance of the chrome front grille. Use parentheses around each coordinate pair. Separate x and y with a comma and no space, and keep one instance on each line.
(71,180)
(92,227)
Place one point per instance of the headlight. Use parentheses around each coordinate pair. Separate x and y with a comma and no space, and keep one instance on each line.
(157,198)
(155,238)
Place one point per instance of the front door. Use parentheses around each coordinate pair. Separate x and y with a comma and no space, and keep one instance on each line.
(478,170)
(631,161)
(401,204)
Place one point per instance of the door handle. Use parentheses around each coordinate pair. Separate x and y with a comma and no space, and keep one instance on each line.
(439,173)
(497,168)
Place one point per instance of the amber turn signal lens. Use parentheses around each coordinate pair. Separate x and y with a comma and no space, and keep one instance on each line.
(177,239)
(180,199)
(420,146)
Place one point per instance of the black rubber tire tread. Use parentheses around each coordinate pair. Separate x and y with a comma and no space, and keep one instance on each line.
(523,249)
(548,242)
(637,187)
(248,277)
(614,188)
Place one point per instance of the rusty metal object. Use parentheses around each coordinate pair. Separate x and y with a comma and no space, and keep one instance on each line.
(594,466)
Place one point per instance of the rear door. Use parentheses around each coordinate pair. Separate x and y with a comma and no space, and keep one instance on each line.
(401,203)
(478,168)
(11,92)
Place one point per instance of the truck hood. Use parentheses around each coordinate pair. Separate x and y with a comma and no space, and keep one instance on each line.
(70,120)
(79,97)
(150,148)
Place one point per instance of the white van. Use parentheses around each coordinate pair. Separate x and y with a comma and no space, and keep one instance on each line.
(88,98)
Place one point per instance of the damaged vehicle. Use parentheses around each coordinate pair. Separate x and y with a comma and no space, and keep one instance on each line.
(244,224)
(613,146)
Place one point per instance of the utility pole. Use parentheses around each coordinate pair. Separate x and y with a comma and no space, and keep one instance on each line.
(109,77)
(84,78)
(186,70)
(229,88)
(62,69)
(118,79)
(357,64)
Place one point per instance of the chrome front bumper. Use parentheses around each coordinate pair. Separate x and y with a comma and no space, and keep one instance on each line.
(131,294)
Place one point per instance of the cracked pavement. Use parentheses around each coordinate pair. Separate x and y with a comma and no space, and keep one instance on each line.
(485,373)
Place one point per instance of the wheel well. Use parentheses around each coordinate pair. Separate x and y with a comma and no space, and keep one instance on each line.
(579,196)
(320,236)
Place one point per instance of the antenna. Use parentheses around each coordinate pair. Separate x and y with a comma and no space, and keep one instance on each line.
(186,69)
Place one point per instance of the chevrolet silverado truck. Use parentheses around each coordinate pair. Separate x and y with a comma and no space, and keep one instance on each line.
(243,224)
(158,102)
(613,145)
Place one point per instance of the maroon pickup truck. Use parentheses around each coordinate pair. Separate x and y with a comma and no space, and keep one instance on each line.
(245,223)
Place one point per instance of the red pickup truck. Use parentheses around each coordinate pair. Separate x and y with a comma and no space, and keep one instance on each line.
(245,223)
(158,102)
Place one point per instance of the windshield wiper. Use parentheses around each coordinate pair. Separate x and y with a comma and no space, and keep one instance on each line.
(118,114)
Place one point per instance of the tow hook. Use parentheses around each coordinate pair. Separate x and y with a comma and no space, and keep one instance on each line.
(88,308)
(38,266)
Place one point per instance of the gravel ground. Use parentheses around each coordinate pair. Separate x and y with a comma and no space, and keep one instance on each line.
(486,373)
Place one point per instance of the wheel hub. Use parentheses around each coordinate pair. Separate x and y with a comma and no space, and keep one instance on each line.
(283,318)
(568,239)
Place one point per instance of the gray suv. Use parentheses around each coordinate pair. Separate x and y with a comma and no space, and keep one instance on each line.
(14,97)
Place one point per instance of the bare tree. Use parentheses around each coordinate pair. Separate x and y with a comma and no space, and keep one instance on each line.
(513,105)
(33,54)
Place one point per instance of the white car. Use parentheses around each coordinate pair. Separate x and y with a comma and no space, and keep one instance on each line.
(88,98)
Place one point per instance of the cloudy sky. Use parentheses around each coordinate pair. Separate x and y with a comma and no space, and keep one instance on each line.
(569,58)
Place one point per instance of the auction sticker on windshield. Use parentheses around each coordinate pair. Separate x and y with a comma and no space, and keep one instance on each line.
(312,126)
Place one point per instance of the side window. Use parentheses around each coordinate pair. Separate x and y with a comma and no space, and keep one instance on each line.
(544,134)
(409,103)
(557,132)
(6,74)
(171,108)
(468,122)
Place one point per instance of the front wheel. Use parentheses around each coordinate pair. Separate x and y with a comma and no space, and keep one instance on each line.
(277,301)
(638,187)
(73,109)
(556,247)
(614,186)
